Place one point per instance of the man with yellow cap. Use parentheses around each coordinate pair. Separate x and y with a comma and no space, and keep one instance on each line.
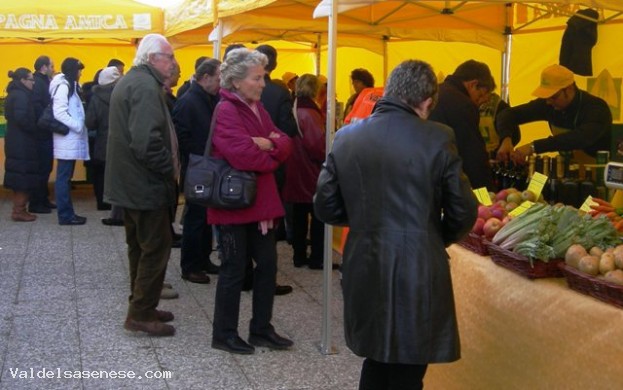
(578,121)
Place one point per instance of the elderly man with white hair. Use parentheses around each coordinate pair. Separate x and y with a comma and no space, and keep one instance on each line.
(142,169)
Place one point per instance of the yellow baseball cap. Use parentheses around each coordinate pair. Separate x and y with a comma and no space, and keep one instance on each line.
(553,79)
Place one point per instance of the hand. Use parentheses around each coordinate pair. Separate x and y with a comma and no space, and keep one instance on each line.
(505,150)
(520,154)
(274,135)
(264,143)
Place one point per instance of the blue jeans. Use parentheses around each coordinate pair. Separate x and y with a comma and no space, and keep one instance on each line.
(62,188)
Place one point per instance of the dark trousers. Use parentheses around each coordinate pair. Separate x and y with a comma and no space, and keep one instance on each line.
(97,177)
(148,236)
(304,220)
(196,239)
(45,157)
(238,243)
(391,376)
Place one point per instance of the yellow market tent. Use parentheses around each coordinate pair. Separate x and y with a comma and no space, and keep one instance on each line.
(41,21)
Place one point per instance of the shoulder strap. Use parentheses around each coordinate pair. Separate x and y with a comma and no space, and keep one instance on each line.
(208,148)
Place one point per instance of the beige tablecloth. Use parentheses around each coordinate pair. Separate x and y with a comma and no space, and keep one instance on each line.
(528,334)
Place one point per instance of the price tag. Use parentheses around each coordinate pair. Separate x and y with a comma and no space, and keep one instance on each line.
(517,211)
(482,194)
(586,206)
(537,182)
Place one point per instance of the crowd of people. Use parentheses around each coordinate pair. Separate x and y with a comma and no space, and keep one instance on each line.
(401,180)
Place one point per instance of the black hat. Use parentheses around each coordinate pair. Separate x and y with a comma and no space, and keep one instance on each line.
(71,66)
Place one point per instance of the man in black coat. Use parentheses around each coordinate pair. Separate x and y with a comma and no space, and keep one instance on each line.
(460,95)
(278,102)
(39,201)
(192,116)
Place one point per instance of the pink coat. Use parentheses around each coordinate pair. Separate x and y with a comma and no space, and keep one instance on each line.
(235,124)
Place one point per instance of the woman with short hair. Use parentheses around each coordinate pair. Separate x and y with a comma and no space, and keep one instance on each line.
(246,137)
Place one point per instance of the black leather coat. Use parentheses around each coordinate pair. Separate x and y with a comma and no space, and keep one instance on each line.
(396,180)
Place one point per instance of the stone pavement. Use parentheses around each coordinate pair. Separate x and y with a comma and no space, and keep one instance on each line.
(63,300)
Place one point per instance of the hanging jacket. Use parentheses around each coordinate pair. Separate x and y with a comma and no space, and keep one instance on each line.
(577,42)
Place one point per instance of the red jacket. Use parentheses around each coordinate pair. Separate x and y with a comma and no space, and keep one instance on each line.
(304,164)
(235,124)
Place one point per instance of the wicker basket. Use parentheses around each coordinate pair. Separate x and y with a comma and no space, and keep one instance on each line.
(475,243)
(521,264)
(591,285)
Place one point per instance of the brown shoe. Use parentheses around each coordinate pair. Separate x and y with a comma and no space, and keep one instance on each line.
(164,316)
(23,216)
(197,277)
(153,328)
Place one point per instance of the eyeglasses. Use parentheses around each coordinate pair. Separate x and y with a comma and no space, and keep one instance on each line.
(171,57)
(557,94)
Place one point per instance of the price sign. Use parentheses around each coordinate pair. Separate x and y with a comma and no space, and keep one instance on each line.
(537,182)
(522,208)
(482,194)
(586,206)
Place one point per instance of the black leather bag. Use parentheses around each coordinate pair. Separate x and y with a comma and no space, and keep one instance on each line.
(212,182)
(48,122)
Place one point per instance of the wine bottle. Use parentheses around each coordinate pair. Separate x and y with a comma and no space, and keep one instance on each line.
(570,190)
(587,186)
(556,174)
(546,172)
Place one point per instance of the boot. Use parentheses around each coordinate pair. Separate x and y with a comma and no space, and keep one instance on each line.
(19,208)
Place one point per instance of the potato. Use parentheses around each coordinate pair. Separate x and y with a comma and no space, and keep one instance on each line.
(596,251)
(606,263)
(573,255)
(615,276)
(589,265)
(618,256)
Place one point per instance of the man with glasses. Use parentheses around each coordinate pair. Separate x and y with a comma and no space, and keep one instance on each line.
(460,96)
(142,168)
(578,121)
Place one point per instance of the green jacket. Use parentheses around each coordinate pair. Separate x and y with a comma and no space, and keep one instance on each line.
(140,173)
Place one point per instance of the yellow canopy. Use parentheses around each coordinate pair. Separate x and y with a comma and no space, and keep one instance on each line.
(41,20)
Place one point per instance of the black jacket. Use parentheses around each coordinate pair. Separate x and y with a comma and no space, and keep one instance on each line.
(396,181)
(21,163)
(192,115)
(97,118)
(456,110)
(587,116)
(41,99)
(278,102)
(577,43)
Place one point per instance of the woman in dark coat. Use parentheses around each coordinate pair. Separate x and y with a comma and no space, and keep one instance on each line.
(20,144)
(396,179)
(302,169)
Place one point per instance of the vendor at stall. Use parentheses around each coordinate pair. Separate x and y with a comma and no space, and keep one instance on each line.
(578,121)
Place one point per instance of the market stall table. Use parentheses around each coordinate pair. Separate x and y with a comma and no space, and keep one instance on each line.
(528,334)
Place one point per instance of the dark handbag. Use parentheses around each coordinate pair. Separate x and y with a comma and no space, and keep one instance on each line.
(48,122)
(212,182)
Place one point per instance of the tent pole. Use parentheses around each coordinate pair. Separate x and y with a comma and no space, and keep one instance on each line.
(318,52)
(216,44)
(385,60)
(326,344)
(506,55)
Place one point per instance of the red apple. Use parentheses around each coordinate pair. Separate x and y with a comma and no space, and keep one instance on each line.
(510,206)
(492,225)
(498,212)
(501,195)
(478,226)
(484,212)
